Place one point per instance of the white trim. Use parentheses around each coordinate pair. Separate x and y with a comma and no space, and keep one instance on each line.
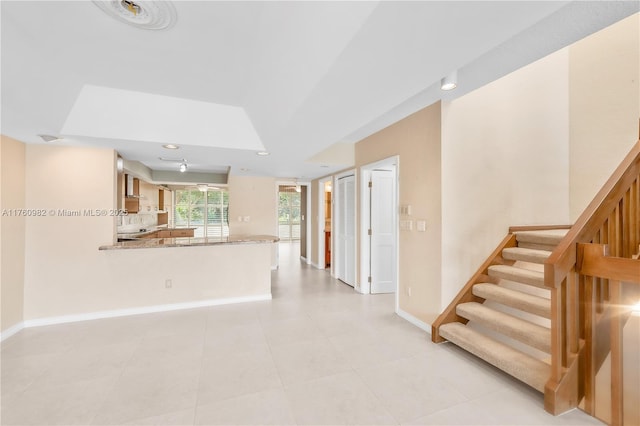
(11,331)
(143,310)
(336,255)
(317,265)
(365,254)
(415,321)
(305,260)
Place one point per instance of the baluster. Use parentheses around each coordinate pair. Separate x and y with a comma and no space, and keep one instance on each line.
(556,335)
(625,223)
(572,312)
(617,313)
(590,353)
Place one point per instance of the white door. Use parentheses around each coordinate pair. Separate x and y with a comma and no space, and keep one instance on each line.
(383,232)
(346,262)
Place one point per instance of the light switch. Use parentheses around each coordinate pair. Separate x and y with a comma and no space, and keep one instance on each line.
(405,209)
(421,225)
(406,225)
(247,218)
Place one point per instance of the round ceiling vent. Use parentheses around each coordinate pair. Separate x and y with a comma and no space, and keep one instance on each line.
(146,14)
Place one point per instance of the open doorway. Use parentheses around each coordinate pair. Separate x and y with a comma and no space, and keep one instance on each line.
(325,223)
(289,213)
(293,223)
(379,229)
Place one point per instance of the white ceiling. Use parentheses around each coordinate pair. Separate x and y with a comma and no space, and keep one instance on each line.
(307,74)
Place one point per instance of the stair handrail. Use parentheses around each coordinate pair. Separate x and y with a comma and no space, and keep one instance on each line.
(613,214)
(563,258)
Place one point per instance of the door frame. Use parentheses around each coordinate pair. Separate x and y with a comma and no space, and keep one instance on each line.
(336,255)
(365,214)
(322,261)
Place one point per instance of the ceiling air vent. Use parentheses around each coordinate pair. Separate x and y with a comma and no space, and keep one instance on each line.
(145,14)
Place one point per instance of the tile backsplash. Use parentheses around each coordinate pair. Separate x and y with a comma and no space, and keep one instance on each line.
(142,219)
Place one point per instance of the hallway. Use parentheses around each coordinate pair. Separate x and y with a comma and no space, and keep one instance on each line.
(318,353)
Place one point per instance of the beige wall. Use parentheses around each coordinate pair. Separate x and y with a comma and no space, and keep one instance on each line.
(12,233)
(604,88)
(255,197)
(505,162)
(416,140)
(64,270)
(67,275)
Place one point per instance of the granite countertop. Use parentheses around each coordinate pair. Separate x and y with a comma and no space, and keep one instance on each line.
(189,242)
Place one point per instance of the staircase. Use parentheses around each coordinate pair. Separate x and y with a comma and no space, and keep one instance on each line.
(550,310)
(504,317)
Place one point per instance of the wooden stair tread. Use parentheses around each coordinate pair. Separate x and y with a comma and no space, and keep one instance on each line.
(513,298)
(534,335)
(526,254)
(526,276)
(525,368)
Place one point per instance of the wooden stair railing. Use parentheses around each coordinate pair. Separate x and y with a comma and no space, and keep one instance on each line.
(578,282)
(594,261)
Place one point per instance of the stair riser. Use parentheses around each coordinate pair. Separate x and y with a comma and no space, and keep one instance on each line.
(536,282)
(537,246)
(543,238)
(535,308)
(525,257)
(530,334)
(535,375)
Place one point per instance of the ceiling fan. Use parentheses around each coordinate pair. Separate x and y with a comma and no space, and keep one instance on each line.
(205,187)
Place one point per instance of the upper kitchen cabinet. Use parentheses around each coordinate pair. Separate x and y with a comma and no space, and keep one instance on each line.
(148,197)
(132,194)
(161,199)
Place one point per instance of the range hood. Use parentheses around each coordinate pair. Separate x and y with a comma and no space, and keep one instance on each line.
(130,185)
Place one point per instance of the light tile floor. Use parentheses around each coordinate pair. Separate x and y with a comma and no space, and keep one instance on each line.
(318,353)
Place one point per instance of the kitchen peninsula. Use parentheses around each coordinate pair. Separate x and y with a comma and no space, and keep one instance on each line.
(178,273)
(147,242)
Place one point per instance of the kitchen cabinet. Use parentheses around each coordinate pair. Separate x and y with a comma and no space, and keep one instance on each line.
(175,233)
(132,194)
(161,199)
(182,233)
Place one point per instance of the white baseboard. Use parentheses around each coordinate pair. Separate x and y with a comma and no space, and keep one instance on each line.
(317,265)
(305,260)
(415,321)
(143,310)
(11,331)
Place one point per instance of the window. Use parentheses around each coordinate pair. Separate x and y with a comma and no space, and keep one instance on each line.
(289,214)
(207,211)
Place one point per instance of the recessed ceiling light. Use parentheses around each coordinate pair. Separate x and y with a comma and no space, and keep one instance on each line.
(49,138)
(170,146)
(183,167)
(263,153)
